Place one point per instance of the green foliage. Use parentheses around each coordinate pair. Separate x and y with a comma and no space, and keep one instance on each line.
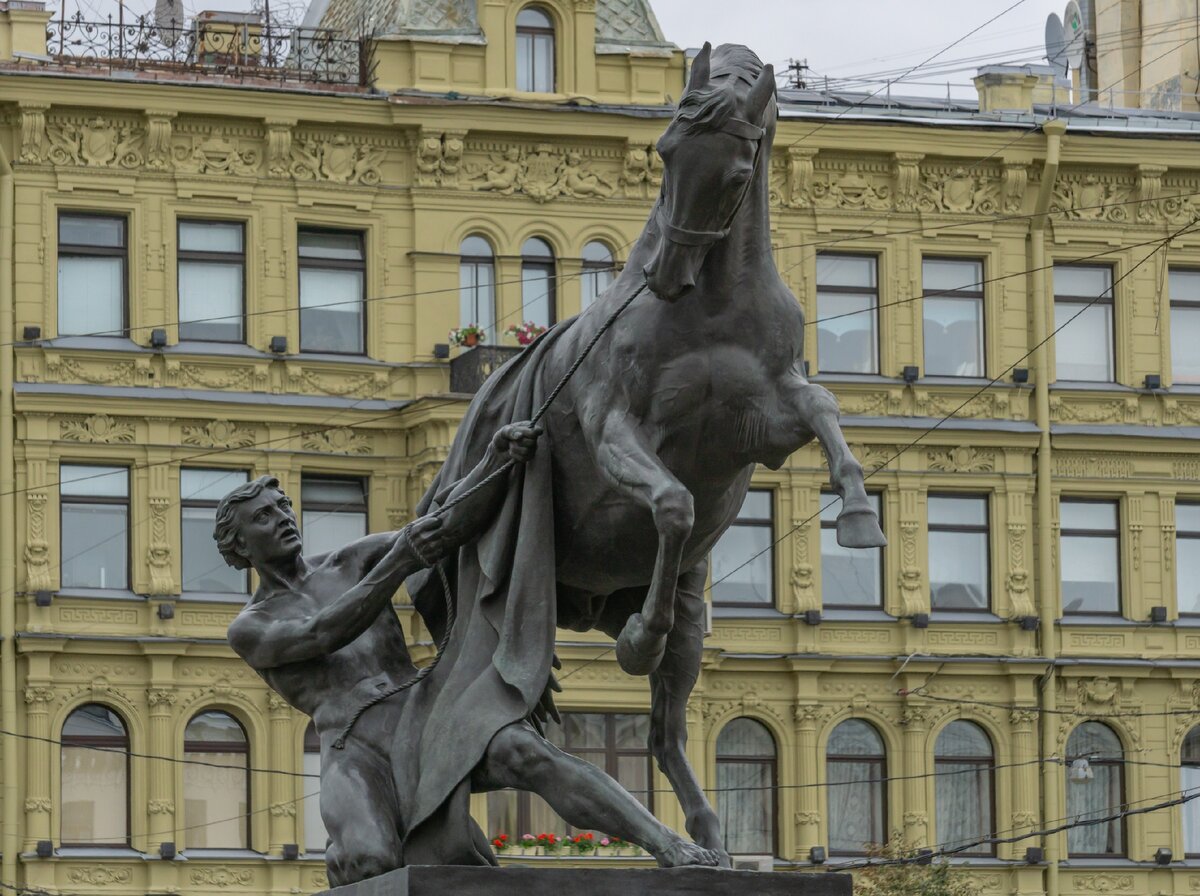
(909,878)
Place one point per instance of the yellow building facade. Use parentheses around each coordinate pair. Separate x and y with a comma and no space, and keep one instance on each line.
(447,130)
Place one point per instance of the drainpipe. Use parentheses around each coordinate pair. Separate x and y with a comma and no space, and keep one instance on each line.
(8,540)
(1045,590)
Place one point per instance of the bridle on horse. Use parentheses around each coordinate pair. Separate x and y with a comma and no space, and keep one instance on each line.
(738,127)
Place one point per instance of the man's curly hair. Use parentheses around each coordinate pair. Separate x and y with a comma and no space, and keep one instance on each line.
(225,530)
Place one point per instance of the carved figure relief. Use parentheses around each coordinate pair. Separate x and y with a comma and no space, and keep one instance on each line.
(97,143)
(958,191)
(337,160)
(429,161)
(1089,198)
(579,182)
(502,176)
(641,175)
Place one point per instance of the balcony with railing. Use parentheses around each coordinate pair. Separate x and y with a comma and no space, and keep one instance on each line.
(212,44)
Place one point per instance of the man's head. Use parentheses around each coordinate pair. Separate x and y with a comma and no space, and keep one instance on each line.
(255,525)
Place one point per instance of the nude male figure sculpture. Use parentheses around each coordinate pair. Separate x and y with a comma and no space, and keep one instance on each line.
(322,632)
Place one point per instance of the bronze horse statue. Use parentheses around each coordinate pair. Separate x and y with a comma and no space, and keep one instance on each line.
(649,450)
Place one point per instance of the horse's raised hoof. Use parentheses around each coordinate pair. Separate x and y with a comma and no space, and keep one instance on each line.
(681,853)
(638,651)
(859,529)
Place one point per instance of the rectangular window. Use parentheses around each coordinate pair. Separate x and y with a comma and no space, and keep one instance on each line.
(953,310)
(1083,308)
(847,313)
(477,294)
(94,526)
(958,552)
(333,512)
(92,275)
(1091,567)
(850,577)
(204,569)
(212,281)
(743,560)
(1183,287)
(617,743)
(1187,558)
(332,289)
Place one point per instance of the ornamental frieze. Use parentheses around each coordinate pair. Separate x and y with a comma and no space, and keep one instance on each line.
(958,190)
(1089,196)
(336,160)
(215,154)
(853,188)
(216,434)
(641,172)
(96,142)
(100,428)
(342,440)
(543,174)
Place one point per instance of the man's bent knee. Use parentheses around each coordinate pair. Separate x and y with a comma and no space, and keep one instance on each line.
(347,865)
(518,753)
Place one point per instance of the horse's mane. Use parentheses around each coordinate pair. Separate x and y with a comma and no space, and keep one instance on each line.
(709,107)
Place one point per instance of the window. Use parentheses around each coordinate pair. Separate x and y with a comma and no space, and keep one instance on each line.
(1187,559)
(1091,567)
(315,836)
(333,512)
(535,51)
(332,289)
(962,758)
(1083,348)
(92,276)
(212,280)
(1184,288)
(95,778)
(953,310)
(855,768)
(958,553)
(847,313)
(743,560)
(746,787)
(94,526)
(477,286)
(1190,784)
(850,577)
(537,282)
(216,783)
(204,569)
(614,742)
(1095,789)
(598,272)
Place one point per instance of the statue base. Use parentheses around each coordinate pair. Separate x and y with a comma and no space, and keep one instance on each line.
(444,880)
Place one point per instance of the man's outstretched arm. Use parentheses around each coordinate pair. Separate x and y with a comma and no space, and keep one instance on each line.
(266,641)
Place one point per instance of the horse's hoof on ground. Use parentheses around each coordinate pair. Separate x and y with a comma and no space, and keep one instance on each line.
(859,529)
(638,651)
(682,853)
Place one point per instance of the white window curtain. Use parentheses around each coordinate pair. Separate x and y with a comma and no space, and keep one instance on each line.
(1098,796)
(745,787)
(855,768)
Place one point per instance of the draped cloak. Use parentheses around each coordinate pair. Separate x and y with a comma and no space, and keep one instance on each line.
(496,668)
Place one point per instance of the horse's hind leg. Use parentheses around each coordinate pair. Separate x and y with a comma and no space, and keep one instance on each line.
(670,686)
(857,524)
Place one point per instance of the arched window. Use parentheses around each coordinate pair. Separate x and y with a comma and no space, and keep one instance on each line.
(1095,789)
(962,759)
(477,285)
(746,787)
(1190,784)
(537,282)
(216,782)
(315,836)
(598,272)
(535,51)
(856,765)
(95,778)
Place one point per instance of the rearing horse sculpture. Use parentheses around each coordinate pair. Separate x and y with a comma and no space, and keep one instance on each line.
(650,448)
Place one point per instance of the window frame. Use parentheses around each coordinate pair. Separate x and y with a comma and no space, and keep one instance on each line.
(465,259)
(1110,301)
(108,744)
(304,263)
(549,266)
(877,347)
(590,271)
(1190,304)
(65,498)
(755,522)
(881,604)
(1119,765)
(332,507)
(213,746)
(879,779)
(985,529)
(310,746)
(773,762)
(1185,535)
(532,33)
(1119,612)
(977,295)
(182,255)
(987,763)
(80,250)
(206,504)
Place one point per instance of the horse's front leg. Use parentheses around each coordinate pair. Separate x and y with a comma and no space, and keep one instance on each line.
(670,687)
(857,523)
(625,457)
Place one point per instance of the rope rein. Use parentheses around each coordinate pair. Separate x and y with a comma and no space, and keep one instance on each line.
(451,610)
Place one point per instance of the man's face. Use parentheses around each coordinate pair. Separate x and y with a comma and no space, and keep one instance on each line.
(267,529)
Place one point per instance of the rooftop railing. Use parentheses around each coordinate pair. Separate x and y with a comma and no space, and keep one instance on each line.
(240,46)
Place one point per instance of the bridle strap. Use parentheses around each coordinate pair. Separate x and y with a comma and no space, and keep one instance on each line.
(739,127)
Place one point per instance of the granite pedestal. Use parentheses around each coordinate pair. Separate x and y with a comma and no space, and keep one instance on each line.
(517,881)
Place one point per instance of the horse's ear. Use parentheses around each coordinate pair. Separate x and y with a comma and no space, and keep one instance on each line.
(761,93)
(700,69)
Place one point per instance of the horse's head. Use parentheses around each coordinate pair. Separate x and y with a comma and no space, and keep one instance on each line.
(711,152)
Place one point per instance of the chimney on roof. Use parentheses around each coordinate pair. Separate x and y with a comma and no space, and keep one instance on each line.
(1017,88)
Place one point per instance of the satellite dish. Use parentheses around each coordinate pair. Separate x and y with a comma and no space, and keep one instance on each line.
(1056,45)
(1076,34)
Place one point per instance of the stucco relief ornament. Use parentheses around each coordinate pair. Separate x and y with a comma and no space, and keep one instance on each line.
(1090,199)
(579,182)
(98,143)
(503,174)
(958,191)
(429,161)
(337,160)
(215,155)
(641,175)
(853,191)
